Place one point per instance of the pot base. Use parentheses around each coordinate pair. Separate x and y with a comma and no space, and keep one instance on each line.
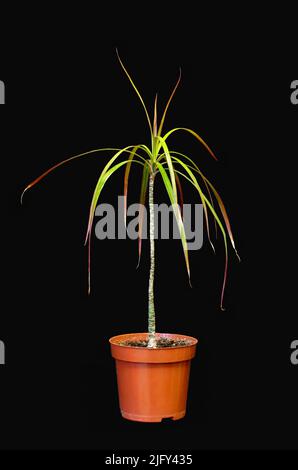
(151,419)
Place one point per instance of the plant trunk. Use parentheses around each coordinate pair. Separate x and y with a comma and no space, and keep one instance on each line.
(151,308)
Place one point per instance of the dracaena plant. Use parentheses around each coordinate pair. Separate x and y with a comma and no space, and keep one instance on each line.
(158,159)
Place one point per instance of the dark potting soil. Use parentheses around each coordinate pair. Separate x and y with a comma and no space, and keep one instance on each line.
(161,343)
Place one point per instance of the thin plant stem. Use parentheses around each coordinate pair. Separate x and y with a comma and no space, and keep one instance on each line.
(151,308)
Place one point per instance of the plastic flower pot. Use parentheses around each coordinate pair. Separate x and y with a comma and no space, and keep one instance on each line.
(152,383)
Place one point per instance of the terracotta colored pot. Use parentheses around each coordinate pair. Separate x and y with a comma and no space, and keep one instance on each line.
(152,383)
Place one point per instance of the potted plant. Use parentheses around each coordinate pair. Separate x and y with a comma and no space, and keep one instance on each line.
(153,368)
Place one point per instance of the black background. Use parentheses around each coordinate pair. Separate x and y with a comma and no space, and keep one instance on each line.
(65,94)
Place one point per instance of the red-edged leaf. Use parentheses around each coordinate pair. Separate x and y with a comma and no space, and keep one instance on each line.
(155,117)
(225,216)
(199,138)
(168,104)
(34,182)
(136,90)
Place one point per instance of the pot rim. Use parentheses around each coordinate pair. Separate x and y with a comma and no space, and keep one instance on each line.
(115,340)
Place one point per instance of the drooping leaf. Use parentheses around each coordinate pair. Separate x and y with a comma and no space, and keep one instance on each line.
(101,182)
(195,184)
(202,199)
(226,253)
(225,216)
(99,187)
(205,184)
(177,213)
(194,134)
(219,200)
(147,150)
(63,162)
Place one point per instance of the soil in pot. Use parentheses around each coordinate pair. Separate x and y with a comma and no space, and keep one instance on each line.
(160,343)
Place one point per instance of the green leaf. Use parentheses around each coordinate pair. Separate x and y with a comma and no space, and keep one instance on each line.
(180,191)
(147,150)
(170,165)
